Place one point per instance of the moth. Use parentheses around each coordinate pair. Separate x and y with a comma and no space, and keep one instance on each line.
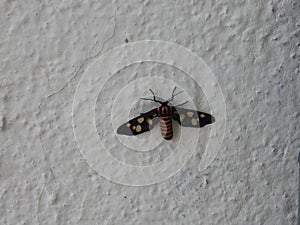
(164,114)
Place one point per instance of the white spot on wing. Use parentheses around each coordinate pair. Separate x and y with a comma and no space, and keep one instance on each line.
(138,128)
(149,121)
(182,116)
(140,120)
(194,121)
(190,114)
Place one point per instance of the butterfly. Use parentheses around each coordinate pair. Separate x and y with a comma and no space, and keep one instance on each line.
(164,114)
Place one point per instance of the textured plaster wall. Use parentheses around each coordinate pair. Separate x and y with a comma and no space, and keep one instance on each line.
(252,48)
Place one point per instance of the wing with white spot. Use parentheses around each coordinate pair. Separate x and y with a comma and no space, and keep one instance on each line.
(192,118)
(139,124)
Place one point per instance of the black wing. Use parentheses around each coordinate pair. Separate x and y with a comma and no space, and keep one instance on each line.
(139,124)
(191,118)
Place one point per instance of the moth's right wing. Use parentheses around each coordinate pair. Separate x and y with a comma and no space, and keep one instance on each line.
(192,118)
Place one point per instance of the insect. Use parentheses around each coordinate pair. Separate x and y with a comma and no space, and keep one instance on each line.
(164,114)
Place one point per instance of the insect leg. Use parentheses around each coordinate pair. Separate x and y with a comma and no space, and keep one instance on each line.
(181,104)
(173,94)
(147,99)
(154,98)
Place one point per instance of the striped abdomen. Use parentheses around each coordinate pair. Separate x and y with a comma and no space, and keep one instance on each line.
(166,128)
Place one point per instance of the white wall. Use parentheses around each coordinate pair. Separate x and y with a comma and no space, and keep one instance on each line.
(252,48)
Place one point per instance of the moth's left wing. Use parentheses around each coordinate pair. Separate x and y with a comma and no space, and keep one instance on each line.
(191,118)
(139,124)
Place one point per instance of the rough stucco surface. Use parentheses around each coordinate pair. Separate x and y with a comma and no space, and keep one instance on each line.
(251,46)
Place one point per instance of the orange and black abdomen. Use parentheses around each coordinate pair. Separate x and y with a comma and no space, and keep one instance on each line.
(166,128)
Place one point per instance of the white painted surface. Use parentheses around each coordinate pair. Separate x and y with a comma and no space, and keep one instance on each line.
(252,49)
